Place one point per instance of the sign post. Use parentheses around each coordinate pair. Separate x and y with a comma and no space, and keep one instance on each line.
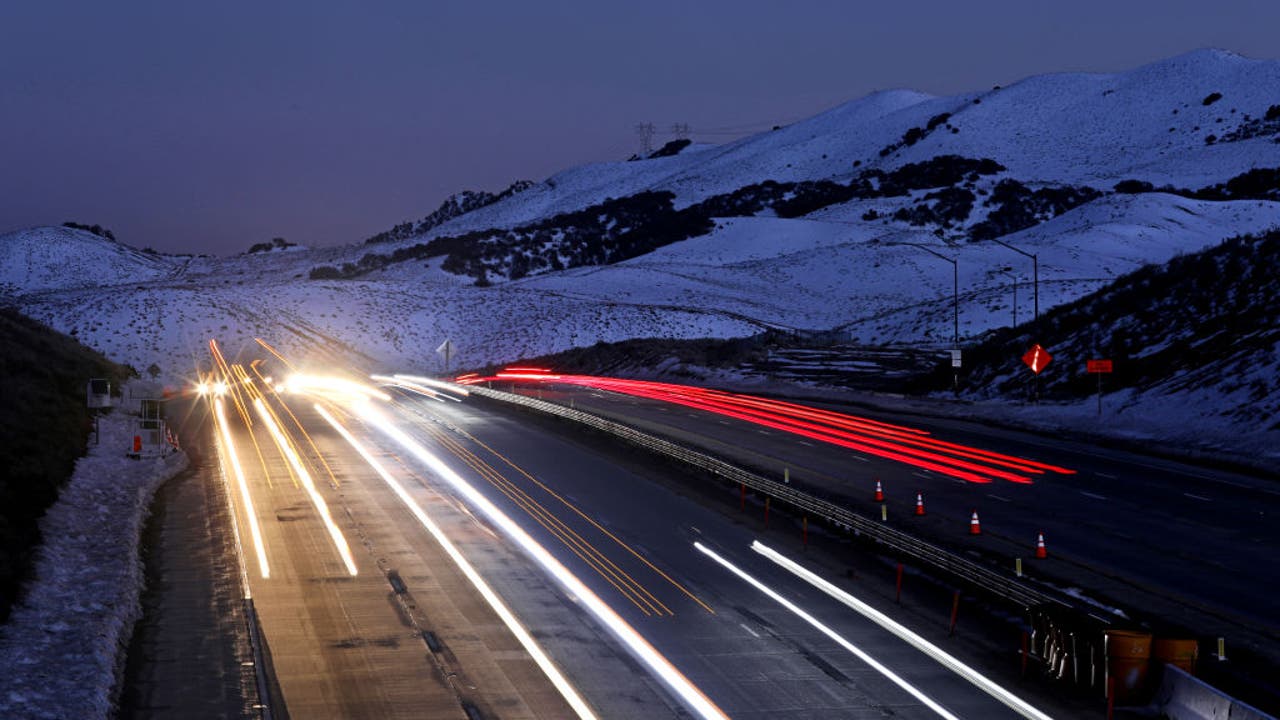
(1098,367)
(446,349)
(1037,358)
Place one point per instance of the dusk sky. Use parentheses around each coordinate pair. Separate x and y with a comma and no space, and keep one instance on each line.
(208,127)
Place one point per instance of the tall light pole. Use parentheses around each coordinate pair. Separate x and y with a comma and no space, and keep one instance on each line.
(1009,271)
(955,303)
(1035,274)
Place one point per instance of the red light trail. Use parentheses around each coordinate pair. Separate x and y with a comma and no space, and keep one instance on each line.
(886,440)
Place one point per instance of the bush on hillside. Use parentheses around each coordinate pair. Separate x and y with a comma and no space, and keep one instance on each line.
(95,229)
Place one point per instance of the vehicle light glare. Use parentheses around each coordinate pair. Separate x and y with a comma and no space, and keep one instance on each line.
(839,639)
(646,653)
(984,683)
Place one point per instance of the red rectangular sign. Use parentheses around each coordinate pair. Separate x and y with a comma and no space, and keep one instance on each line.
(1098,366)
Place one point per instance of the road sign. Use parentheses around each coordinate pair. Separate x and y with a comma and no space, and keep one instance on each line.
(955,358)
(1037,358)
(1098,366)
(446,350)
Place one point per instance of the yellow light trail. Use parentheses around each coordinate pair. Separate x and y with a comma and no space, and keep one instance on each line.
(308,484)
(230,447)
(257,449)
(689,693)
(576,510)
(623,582)
(272,350)
(548,667)
(319,456)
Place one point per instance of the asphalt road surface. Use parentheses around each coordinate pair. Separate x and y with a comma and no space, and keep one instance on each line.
(365,614)
(1192,544)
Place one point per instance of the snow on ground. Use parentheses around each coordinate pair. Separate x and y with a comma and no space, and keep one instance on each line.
(63,647)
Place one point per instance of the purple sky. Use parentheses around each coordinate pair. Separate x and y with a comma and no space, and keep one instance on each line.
(207,128)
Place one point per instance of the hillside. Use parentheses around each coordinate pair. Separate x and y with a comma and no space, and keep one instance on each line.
(45,424)
(827,225)
(1195,345)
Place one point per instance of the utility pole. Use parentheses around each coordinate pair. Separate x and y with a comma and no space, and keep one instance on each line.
(645,131)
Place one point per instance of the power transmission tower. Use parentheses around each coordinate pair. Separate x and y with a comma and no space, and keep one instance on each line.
(680,130)
(645,131)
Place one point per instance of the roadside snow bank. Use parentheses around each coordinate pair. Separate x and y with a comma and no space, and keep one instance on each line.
(63,648)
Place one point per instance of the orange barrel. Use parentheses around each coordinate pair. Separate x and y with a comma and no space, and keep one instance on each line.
(1182,654)
(1128,659)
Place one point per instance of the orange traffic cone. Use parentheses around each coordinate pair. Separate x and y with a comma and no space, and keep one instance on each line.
(879,491)
(1041,552)
(919,503)
(974,527)
(137,443)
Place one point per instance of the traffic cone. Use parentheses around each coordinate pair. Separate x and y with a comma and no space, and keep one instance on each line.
(974,527)
(1040,550)
(919,503)
(137,443)
(879,491)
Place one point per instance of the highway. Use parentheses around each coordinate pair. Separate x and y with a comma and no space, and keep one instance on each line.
(1187,542)
(376,532)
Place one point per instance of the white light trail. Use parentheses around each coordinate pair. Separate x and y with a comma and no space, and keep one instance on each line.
(984,683)
(340,388)
(411,386)
(431,382)
(837,637)
(674,679)
(255,532)
(544,662)
(308,484)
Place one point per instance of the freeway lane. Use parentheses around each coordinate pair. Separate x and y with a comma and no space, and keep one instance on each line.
(351,646)
(749,654)
(1185,542)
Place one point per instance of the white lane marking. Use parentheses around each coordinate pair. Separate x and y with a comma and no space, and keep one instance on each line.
(1108,476)
(922,476)
(1198,497)
(753,632)
(859,457)
(997,497)
(1095,496)
(806,443)
(764,432)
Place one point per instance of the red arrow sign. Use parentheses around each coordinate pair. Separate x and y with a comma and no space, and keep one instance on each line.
(1037,358)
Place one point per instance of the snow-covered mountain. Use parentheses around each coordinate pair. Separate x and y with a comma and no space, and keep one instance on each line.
(825,224)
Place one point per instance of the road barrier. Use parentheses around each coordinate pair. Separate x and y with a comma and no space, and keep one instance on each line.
(1009,588)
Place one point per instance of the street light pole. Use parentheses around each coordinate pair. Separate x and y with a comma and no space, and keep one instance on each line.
(1035,274)
(1009,271)
(955,304)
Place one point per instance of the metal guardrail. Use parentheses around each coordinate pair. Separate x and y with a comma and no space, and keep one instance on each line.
(1005,586)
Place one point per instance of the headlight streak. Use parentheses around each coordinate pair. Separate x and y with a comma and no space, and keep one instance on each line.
(674,679)
(839,639)
(984,683)
(629,587)
(431,382)
(333,387)
(303,431)
(561,683)
(308,484)
(255,531)
(413,387)
(440,435)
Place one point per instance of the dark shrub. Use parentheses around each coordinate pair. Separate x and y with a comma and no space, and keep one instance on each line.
(1211,98)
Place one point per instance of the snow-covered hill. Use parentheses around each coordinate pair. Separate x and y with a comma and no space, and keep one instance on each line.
(58,258)
(826,224)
